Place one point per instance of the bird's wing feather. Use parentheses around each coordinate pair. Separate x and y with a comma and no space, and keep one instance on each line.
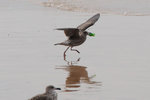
(39,97)
(69,32)
(89,22)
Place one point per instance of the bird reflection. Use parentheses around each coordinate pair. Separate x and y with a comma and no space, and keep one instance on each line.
(77,75)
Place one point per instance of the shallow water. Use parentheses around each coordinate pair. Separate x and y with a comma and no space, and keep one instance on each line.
(114,65)
(77,76)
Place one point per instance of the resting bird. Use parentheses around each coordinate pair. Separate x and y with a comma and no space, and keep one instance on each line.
(49,94)
(77,36)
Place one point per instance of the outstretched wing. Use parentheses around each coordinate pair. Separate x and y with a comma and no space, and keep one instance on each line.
(70,32)
(89,22)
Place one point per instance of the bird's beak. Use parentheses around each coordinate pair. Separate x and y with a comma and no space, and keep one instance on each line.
(57,88)
(91,34)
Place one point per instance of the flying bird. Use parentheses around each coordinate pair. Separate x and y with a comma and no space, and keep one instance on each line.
(49,94)
(77,36)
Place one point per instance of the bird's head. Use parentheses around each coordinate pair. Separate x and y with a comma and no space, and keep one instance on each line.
(51,88)
(90,34)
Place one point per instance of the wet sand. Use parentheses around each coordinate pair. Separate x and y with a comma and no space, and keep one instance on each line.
(113,65)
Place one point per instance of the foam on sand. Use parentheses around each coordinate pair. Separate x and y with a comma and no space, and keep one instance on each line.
(125,7)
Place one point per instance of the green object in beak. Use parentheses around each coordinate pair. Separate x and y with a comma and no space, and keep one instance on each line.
(91,34)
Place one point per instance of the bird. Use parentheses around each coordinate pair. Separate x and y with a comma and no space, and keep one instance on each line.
(49,94)
(77,36)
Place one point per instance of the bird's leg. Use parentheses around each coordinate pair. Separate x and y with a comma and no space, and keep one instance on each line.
(66,60)
(65,52)
(74,50)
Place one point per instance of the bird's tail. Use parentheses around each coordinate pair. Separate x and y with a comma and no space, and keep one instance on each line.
(58,44)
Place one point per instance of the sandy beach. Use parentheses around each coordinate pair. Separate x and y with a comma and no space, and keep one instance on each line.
(113,65)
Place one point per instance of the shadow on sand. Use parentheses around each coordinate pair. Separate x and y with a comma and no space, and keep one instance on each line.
(77,75)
